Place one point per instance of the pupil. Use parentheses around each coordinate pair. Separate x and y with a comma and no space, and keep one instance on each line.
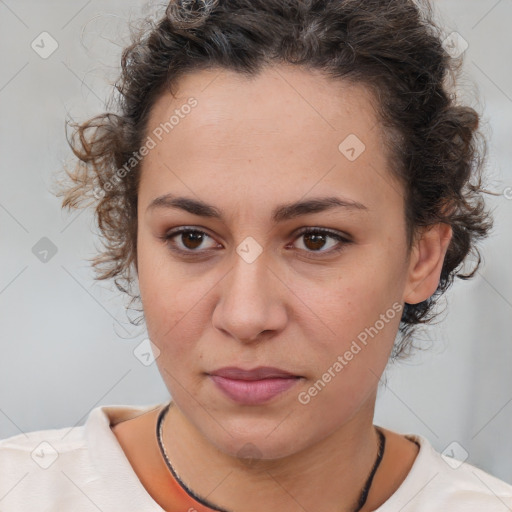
(193,236)
(317,239)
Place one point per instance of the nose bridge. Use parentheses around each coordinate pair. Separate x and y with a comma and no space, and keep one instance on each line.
(249,302)
(249,274)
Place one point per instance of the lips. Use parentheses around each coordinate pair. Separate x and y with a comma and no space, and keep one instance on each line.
(259,373)
(253,387)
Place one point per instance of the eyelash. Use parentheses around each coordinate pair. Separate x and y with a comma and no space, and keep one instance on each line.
(344,241)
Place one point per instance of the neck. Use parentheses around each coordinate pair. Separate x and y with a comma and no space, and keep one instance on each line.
(326,476)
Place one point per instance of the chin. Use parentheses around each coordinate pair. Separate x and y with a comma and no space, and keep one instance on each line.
(251,442)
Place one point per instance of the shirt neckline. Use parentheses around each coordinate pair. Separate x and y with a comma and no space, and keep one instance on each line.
(113,465)
(110,460)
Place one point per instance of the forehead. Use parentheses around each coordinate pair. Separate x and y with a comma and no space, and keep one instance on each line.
(277,100)
(287,129)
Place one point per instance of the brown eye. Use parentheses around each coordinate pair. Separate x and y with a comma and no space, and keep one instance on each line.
(192,239)
(187,241)
(322,241)
(314,241)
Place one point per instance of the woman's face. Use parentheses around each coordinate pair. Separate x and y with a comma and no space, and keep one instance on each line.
(250,289)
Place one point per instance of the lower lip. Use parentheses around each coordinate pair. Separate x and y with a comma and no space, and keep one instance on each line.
(253,392)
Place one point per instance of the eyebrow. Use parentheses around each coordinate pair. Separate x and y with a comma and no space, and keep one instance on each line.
(279,214)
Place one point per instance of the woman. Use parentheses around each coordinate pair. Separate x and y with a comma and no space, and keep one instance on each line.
(289,185)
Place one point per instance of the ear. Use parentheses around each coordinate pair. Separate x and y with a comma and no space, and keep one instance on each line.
(426,262)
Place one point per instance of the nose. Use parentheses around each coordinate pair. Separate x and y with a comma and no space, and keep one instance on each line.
(251,302)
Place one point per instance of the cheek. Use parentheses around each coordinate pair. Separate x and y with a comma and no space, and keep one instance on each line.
(354,298)
(174,303)
(171,311)
(357,315)
(347,359)
(163,293)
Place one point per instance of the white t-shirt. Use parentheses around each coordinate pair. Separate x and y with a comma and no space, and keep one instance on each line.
(84,469)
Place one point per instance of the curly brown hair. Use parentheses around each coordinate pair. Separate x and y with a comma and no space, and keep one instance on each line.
(393,47)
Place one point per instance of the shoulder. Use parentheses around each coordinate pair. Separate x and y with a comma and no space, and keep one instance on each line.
(40,448)
(35,464)
(437,481)
(75,468)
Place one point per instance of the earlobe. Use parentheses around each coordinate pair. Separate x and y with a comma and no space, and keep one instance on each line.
(426,262)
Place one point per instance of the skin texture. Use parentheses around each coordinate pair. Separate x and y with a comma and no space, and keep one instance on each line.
(136,437)
(247,147)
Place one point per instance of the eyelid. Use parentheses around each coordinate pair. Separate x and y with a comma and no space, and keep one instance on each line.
(172,233)
(326,231)
(342,238)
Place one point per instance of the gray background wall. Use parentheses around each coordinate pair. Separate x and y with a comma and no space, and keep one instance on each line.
(66,343)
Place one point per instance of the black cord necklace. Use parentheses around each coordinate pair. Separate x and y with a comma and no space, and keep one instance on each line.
(362,498)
